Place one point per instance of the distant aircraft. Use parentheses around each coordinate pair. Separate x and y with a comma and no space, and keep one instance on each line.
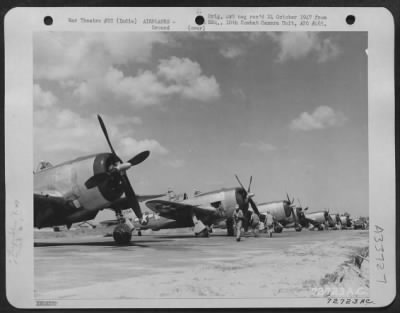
(203,210)
(346,221)
(335,221)
(319,219)
(76,190)
(283,212)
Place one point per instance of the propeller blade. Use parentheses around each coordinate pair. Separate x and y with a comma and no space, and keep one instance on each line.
(299,202)
(306,209)
(254,206)
(296,219)
(131,196)
(292,200)
(103,127)
(139,158)
(96,180)
(240,183)
(287,195)
(251,179)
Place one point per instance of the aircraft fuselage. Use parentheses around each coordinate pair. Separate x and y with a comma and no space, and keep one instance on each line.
(62,197)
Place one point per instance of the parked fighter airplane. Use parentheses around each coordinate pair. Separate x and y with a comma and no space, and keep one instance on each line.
(76,190)
(346,221)
(204,209)
(335,221)
(319,219)
(283,212)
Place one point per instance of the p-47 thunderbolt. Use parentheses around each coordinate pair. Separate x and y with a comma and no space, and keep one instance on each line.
(76,190)
(320,220)
(283,212)
(205,209)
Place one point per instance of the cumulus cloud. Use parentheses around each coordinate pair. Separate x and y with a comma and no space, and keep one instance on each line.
(297,45)
(70,55)
(42,98)
(173,77)
(231,52)
(102,68)
(174,163)
(131,146)
(260,146)
(322,117)
(65,134)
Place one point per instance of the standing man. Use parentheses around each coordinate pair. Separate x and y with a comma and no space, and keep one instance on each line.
(254,223)
(338,221)
(238,218)
(269,223)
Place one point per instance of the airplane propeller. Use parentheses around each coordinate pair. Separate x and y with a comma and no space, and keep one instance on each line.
(118,171)
(248,195)
(301,207)
(291,203)
(292,207)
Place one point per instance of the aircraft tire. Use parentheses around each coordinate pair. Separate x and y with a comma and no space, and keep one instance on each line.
(298,229)
(278,229)
(139,233)
(122,234)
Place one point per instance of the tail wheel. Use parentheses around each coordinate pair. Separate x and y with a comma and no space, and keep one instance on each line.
(122,234)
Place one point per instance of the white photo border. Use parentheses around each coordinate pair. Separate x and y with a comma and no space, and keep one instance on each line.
(21,23)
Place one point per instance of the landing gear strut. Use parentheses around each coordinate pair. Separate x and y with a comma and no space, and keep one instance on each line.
(122,233)
(229,227)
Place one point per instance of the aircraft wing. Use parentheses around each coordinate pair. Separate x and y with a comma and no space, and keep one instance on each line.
(180,210)
(108,223)
(44,207)
(313,222)
(47,199)
(123,204)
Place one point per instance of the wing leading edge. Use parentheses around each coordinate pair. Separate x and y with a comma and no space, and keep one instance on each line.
(180,210)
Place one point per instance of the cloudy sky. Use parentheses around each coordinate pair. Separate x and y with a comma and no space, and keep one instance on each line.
(288,108)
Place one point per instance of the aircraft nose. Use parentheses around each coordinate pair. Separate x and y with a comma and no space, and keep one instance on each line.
(241,198)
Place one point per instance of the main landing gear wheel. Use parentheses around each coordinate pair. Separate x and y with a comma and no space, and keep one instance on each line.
(278,229)
(122,234)
(298,228)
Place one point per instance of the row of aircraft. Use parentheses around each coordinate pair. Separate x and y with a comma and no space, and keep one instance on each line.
(75,191)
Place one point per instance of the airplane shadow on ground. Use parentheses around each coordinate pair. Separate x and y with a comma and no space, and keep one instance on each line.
(178,236)
(97,243)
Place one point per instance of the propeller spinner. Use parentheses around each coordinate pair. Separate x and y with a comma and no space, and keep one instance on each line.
(118,170)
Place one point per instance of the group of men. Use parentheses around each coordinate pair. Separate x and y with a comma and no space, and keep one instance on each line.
(254,222)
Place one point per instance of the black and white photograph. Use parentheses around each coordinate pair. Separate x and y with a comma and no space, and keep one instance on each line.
(201,165)
(287,110)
